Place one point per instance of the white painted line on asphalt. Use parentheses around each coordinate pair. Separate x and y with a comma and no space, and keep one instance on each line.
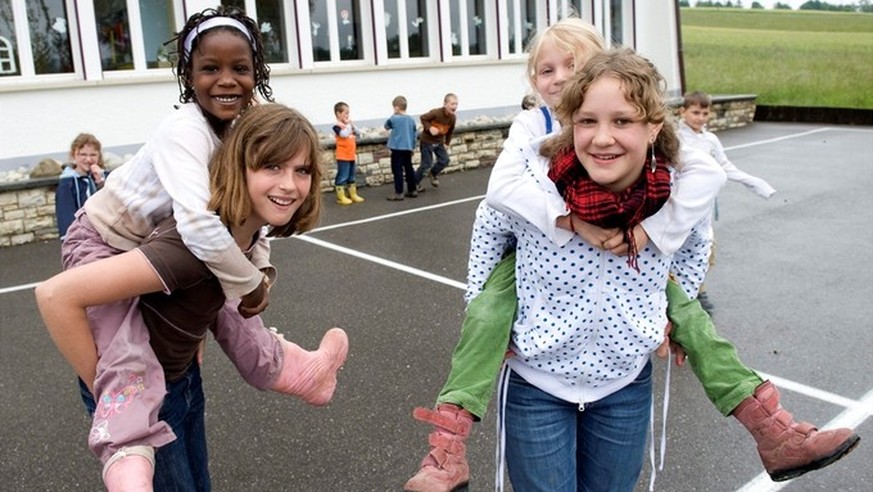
(777,139)
(852,417)
(383,262)
(395,214)
(16,288)
(375,259)
(815,393)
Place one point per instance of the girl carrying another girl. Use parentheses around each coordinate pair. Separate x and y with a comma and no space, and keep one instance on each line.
(521,190)
(220,65)
(266,174)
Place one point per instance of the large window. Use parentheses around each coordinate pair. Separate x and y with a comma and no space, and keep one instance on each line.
(131,34)
(271,21)
(270,16)
(158,27)
(113,34)
(469,27)
(574,8)
(619,18)
(521,25)
(45,25)
(407,28)
(337,30)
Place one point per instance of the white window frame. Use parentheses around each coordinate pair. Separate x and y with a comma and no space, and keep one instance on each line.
(515,25)
(140,64)
(492,51)
(627,26)
(25,48)
(381,38)
(562,8)
(291,27)
(7,55)
(308,61)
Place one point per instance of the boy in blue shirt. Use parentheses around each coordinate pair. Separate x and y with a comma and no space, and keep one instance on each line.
(401,142)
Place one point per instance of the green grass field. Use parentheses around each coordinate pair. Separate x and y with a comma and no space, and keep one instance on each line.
(787,58)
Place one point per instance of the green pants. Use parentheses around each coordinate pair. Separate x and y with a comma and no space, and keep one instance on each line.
(486,330)
(725,379)
(484,340)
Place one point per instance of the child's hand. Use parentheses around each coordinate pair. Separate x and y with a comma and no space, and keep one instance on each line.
(200,351)
(663,350)
(255,301)
(617,245)
(592,234)
(434,131)
(96,174)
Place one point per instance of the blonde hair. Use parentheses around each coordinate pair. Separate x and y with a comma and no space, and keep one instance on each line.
(571,35)
(84,139)
(643,88)
(265,134)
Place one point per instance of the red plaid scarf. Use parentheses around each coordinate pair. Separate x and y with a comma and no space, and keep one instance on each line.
(599,206)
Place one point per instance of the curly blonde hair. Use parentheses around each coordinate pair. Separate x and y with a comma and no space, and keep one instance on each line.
(643,87)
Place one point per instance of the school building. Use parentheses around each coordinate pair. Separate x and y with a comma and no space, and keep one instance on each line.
(101,66)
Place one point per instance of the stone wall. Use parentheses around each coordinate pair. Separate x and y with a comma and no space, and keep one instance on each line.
(27,210)
(472,147)
(727,111)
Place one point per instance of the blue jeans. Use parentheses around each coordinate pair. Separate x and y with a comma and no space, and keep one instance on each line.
(182,465)
(345,173)
(427,152)
(551,446)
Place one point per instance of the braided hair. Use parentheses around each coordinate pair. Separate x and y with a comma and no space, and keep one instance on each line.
(183,59)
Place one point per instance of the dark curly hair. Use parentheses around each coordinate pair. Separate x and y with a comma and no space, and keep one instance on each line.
(183,61)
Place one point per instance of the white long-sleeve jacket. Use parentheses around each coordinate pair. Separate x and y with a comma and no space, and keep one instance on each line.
(514,190)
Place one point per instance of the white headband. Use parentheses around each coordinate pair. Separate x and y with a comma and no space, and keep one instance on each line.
(209,24)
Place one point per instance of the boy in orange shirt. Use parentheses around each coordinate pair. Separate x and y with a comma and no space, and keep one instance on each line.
(345,132)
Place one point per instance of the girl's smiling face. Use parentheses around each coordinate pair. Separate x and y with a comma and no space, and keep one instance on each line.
(277,190)
(609,136)
(553,67)
(84,157)
(222,74)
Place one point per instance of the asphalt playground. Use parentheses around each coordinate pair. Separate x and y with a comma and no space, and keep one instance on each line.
(792,288)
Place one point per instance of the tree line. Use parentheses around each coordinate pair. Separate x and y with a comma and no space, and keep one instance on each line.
(860,6)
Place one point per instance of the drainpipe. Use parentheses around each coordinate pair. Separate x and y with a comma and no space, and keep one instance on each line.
(679,49)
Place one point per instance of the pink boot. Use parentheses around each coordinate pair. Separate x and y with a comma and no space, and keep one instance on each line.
(130,470)
(445,467)
(312,375)
(787,448)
